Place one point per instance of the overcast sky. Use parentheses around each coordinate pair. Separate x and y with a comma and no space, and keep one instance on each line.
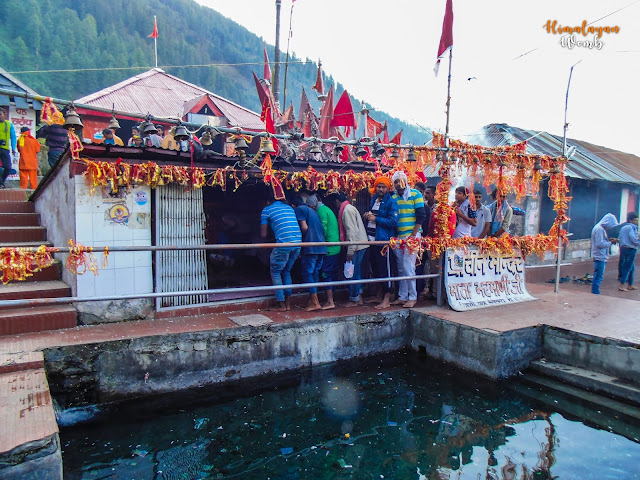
(384,52)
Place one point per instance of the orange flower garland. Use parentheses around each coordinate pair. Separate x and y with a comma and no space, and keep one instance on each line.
(20,263)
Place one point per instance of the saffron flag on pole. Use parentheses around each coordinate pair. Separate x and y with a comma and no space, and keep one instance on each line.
(154,34)
(397,138)
(385,137)
(373,127)
(306,114)
(319,86)
(326,115)
(343,115)
(446,39)
(267,69)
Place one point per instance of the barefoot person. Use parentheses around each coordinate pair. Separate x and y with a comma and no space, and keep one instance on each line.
(312,257)
(351,230)
(329,269)
(411,214)
(282,220)
(628,238)
(382,221)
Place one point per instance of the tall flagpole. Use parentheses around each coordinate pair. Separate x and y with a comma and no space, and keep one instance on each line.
(286,64)
(155,41)
(446,132)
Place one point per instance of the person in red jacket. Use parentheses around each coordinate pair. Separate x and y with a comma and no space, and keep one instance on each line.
(28,148)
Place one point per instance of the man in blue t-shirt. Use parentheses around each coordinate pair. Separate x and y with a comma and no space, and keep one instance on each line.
(312,231)
(282,220)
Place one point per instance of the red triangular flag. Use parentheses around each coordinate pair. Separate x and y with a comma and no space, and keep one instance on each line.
(385,137)
(154,34)
(267,69)
(326,114)
(397,138)
(343,115)
(446,39)
(271,128)
(319,86)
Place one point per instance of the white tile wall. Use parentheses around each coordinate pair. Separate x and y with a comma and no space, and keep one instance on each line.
(126,272)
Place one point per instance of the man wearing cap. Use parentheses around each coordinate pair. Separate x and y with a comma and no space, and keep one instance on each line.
(382,221)
(7,144)
(410,217)
(28,148)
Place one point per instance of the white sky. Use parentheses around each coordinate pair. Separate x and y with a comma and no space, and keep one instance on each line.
(384,53)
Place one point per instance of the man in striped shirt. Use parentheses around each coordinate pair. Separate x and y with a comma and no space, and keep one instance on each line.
(411,214)
(282,220)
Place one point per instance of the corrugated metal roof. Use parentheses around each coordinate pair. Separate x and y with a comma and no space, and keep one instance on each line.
(585,162)
(157,93)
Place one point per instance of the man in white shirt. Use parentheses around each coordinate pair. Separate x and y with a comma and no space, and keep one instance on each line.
(483,216)
(466,215)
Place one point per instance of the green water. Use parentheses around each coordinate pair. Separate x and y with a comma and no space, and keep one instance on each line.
(397,417)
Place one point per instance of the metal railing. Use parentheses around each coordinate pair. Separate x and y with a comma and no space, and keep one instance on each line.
(264,288)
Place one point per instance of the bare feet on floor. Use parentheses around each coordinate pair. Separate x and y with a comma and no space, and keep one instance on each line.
(397,301)
(313,307)
(410,304)
(328,306)
(383,305)
(278,307)
(631,287)
(372,300)
(354,304)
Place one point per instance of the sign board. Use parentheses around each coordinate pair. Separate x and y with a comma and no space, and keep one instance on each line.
(474,280)
(21,117)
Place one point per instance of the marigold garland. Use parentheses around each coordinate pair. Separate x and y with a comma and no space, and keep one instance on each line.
(20,263)
(81,259)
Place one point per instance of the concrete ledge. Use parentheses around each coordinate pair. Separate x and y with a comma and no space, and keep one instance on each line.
(127,368)
(38,460)
(487,352)
(589,380)
(612,357)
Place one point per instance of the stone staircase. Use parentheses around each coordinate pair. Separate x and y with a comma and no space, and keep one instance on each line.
(20,227)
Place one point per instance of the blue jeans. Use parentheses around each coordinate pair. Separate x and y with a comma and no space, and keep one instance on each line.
(598,273)
(281,261)
(311,265)
(328,272)
(355,290)
(626,265)
(53,156)
(6,163)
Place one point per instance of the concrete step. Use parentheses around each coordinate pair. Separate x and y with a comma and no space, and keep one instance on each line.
(23,234)
(37,319)
(593,409)
(594,399)
(46,289)
(14,195)
(17,362)
(19,219)
(17,207)
(590,380)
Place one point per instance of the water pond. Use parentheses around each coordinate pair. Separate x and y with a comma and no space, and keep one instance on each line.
(399,416)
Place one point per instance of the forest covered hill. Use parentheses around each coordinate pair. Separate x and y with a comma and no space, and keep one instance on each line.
(112,36)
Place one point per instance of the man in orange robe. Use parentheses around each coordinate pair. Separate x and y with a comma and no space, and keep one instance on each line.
(28,148)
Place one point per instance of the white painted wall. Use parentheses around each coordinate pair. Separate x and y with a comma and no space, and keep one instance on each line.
(624,204)
(96,226)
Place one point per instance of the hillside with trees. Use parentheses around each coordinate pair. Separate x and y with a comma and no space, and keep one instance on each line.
(112,38)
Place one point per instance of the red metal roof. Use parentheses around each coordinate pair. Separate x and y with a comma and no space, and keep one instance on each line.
(157,93)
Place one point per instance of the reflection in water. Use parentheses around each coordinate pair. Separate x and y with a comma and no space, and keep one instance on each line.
(392,418)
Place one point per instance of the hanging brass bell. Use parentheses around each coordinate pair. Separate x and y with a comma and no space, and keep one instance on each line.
(554,170)
(360,151)
(378,149)
(181,133)
(537,166)
(72,119)
(266,145)
(241,144)
(315,149)
(150,128)
(411,157)
(395,153)
(113,123)
(338,149)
